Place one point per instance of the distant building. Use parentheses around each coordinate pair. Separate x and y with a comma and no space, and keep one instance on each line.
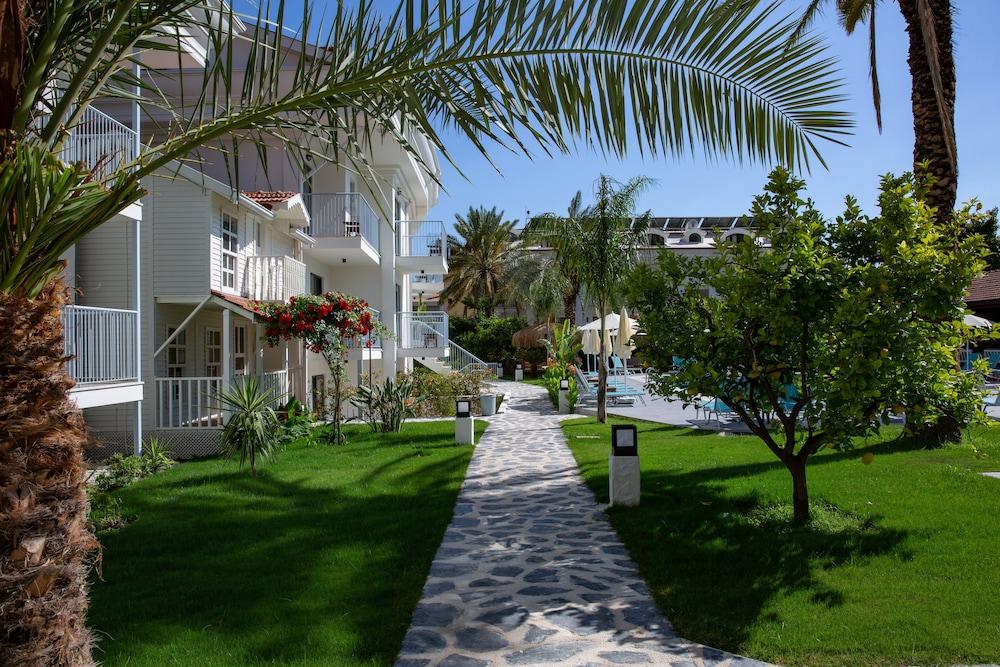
(983,297)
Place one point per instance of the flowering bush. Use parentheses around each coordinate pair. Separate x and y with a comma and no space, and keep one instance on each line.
(327,323)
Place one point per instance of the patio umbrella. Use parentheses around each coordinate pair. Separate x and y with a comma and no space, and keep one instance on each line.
(977,322)
(591,342)
(623,345)
(610,323)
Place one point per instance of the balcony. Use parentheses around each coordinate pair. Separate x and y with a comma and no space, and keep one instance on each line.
(273,278)
(421,247)
(423,333)
(367,347)
(345,226)
(427,283)
(101,346)
(100,142)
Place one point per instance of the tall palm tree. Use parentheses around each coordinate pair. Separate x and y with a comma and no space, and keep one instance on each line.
(931,62)
(545,231)
(603,242)
(519,74)
(480,268)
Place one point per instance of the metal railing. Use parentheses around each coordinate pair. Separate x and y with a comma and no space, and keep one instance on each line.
(342,215)
(189,402)
(370,342)
(421,238)
(100,142)
(101,344)
(194,402)
(273,278)
(422,330)
(460,359)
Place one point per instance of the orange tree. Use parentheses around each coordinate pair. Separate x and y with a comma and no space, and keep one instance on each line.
(327,324)
(813,339)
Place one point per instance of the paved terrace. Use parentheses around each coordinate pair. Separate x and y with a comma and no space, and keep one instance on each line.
(530,572)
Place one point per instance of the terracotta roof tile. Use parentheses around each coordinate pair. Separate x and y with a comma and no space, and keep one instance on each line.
(265,198)
(240,301)
(984,288)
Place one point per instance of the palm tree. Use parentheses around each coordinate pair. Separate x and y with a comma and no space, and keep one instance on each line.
(603,243)
(545,231)
(511,74)
(931,63)
(546,289)
(480,268)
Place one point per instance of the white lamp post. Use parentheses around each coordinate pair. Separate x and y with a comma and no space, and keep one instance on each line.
(623,466)
(465,423)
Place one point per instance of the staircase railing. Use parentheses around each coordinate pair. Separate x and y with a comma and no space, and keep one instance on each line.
(462,360)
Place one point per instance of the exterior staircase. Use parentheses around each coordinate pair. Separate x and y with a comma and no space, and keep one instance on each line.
(457,358)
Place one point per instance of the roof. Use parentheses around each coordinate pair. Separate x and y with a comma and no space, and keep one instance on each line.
(984,288)
(267,198)
(245,304)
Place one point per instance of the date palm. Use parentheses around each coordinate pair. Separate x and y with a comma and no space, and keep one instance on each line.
(931,63)
(546,232)
(673,78)
(602,243)
(480,266)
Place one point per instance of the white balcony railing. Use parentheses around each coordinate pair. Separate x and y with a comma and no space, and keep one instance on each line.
(432,281)
(342,215)
(420,238)
(101,344)
(100,142)
(371,341)
(273,278)
(193,402)
(423,330)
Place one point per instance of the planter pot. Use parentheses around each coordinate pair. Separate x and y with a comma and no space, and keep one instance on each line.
(488,404)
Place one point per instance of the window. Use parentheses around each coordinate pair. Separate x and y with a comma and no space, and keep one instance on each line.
(315,284)
(239,350)
(694,238)
(655,239)
(213,352)
(230,249)
(176,353)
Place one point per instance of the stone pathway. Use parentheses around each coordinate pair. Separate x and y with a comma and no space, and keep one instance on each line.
(530,571)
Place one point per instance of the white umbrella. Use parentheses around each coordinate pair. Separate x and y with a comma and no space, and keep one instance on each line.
(623,346)
(977,322)
(607,341)
(591,342)
(610,322)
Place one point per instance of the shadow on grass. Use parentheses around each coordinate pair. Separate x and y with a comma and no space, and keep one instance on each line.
(712,568)
(224,568)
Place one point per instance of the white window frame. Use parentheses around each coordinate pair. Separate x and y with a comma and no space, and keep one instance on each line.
(240,356)
(229,227)
(213,352)
(176,353)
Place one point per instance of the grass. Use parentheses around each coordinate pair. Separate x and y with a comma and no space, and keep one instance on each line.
(319,560)
(901,564)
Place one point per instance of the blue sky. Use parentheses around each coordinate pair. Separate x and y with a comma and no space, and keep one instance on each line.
(692,187)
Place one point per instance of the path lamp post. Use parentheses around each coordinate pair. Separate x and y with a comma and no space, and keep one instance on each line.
(465,423)
(564,396)
(518,373)
(623,466)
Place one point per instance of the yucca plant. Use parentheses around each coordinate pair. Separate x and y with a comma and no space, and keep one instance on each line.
(671,78)
(251,425)
(387,406)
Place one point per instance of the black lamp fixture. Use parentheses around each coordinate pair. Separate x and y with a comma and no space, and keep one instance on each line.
(564,384)
(624,441)
(463,407)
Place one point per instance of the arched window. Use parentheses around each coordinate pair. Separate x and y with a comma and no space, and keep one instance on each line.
(694,238)
(655,239)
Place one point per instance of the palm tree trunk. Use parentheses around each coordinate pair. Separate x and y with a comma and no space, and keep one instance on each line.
(45,537)
(931,126)
(602,375)
(569,303)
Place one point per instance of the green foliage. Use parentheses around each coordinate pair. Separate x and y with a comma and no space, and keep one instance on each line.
(251,428)
(295,422)
(601,245)
(984,225)
(566,346)
(123,470)
(826,331)
(385,407)
(438,392)
(489,338)
(481,265)
(107,511)
(550,380)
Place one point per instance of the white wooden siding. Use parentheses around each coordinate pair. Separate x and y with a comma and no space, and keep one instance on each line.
(179,218)
(105,266)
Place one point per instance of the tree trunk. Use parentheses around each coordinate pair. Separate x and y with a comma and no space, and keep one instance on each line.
(602,376)
(569,304)
(45,536)
(800,491)
(930,129)
(13,36)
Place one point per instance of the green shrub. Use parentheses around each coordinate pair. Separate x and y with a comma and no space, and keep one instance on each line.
(384,407)
(555,373)
(107,512)
(295,422)
(489,338)
(251,428)
(126,469)
(438,392)
(155,458)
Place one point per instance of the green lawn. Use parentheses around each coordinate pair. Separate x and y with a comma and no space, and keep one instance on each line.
(901,567)
(319,560)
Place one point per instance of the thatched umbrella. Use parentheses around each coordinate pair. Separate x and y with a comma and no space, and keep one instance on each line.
(529,337)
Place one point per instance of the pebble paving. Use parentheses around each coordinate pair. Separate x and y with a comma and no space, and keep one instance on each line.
(530,571)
